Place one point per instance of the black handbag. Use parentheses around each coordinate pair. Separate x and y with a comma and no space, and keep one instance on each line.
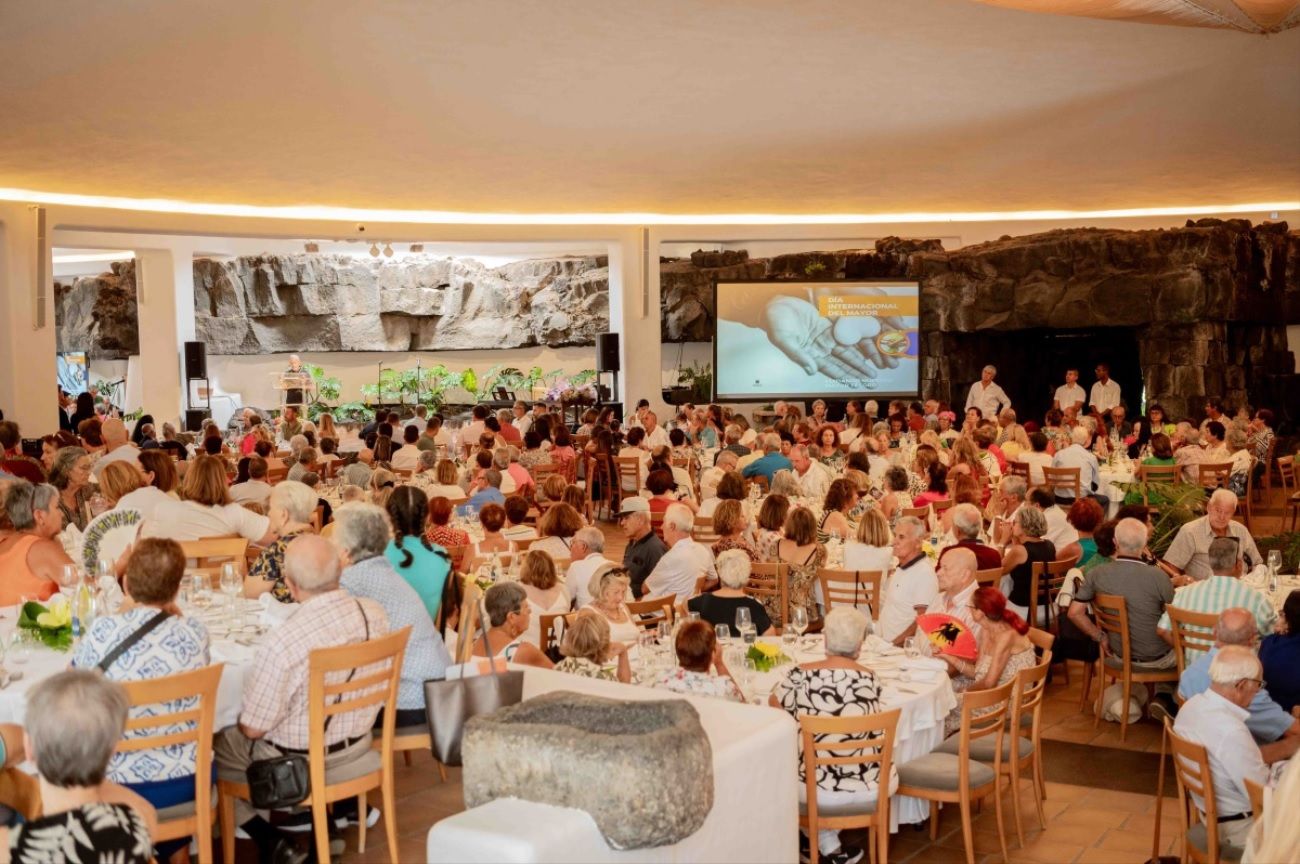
(285,780)
(450,702)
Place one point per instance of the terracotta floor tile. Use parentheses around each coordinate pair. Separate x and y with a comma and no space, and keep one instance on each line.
(1047,850)
(1091,816)
(1107,799)
(1126,841)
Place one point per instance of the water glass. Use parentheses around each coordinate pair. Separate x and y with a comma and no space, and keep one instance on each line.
(1274,561)
(21,643)
(799,620)
(201,591)
(723,633)
(232,585)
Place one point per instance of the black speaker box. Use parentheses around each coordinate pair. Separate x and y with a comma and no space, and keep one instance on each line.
(196,361)
(194,417)
(607,352)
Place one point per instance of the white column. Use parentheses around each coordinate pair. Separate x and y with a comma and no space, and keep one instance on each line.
(165,296)
(634,315)
(28,365)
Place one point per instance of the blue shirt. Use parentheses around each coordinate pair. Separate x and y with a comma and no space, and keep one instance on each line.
(1075,456)
(1267,721)
(1281,658)
(427,572)
(767,465)
(489,495)
(426,655)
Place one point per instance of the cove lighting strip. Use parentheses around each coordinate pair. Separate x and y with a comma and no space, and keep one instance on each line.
(95,257)
(446,217)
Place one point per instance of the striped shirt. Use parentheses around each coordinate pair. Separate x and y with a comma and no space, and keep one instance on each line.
(1217,593)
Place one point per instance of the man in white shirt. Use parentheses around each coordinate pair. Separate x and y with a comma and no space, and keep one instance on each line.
(117,446)
(1105,393)
(407,458)
(470,433)
(586,556)
(655,435)
(1069,394)
(957,587)
(255,490)
(987,396)
(912,587)
(1190,551)
(635,448)
(1216,719)
(1077,455)
(813,477)
(684,562)
(523,420)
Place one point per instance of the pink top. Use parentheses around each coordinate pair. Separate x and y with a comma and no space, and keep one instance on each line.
(927,498)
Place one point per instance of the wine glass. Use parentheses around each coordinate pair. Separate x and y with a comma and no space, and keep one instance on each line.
(799,620)
(232,585)
(201,591)
(1275,561)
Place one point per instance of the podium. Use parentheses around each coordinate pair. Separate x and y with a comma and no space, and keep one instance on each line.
(293,387)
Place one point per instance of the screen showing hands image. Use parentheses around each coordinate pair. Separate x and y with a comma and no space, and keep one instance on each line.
(801,339)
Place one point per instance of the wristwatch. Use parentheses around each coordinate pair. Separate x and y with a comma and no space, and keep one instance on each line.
(1099,637)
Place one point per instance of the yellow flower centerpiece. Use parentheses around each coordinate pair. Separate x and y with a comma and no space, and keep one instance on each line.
(766,656)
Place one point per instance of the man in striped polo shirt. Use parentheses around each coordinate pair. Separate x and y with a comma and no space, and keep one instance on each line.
(1222,590)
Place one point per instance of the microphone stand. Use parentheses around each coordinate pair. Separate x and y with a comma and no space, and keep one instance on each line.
(379,387)
(417,382)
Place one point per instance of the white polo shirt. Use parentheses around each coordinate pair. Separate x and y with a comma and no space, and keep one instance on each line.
(1105,396)
(1070,394)
(1220,727)
(678,569)
(908,587)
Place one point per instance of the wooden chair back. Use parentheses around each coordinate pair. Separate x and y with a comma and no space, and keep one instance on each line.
(1042,640)
(939,507)
(758,480)
(598,486)
(549,633)
(1193,632)
(1045,583)
(771,580)
(922,513)
(541,472)
(1111,614)
(1286,474)
(211,552)
(992,576)
(866,740)
(1195,781)
(647,613)
(1213,474)
(853,588)
(1018,469)
(983,713)
(1058,478)
(470,618)
(1027,697)
(703,531)
(168,696)
(629,473)
(1256,794)
(276,475)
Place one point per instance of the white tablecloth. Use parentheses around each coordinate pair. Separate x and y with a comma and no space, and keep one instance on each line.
(44,662)
(925,700)
(755,804)
(1110,476)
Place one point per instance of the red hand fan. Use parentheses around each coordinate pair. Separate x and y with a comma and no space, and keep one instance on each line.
(948,635)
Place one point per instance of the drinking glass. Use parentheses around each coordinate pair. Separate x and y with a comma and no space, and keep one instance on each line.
(201,591)
(723,633)
(665,633)
(911,647)
(185,593)
(1275,561)
(743,620)
(21,642)
(232,585)
(799,620)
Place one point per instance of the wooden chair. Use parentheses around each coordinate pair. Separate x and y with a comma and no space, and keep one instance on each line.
(853,588)
(541,472)
(467,626)
(1045,583)
(852,741)
(1213,475)
(1022,748)
(922,513)
(1192,631)
(1111,614)
(167,695)
(957,778)
(1256,794)
(366,688)
(703,531)
(1200,827)
(210,553)
(939,507)
(1018,469)
(771,580)
(1148,474)
(599,488)
(1286,472)
(992,576)
(276,475)
(1058,478)
(629,472)
(550,634)
(649,612)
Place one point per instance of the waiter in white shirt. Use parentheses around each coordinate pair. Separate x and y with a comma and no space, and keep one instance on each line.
(987,396)
(1069,394)
(1105,393)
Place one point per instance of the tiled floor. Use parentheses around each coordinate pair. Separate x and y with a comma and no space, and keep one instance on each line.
(1088,823)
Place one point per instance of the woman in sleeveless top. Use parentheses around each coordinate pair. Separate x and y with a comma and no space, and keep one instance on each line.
(1004,649)
(841,497)
(1027,548)
(31,557)
(805,556)
(508,613)
(609,591)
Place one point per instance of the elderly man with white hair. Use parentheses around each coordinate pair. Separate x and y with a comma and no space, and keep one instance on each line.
(987,396)
(813,477)
(770,462)
(957,587)
(273,719)
(967,522)
(732,435)
(1276,731)
(1077,455)
(710,477)
(586,556)
(117,446)
(1146,591)
(361,531)
(1216,719)
(913,585)
(1189,553)
(684,562)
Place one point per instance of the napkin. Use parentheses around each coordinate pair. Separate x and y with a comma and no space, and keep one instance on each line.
(273,611)
(925,668)
(226,651)
(875,645)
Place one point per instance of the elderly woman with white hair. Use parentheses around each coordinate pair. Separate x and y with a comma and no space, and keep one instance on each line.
(362,537)
(837,686)
(1027,548)
(292,506)
(588,651)
(74,722)
(719,607)
(608,588)
(1241,458)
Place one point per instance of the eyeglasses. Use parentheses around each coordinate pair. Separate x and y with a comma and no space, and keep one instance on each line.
(1258,682)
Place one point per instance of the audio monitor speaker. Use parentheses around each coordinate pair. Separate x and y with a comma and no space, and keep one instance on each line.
(196,361)
(607,352)
(194,418)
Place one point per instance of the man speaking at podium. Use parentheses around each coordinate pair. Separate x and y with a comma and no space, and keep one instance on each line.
(295,395)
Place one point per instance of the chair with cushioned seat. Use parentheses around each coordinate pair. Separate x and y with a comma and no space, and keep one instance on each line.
(363,689)
(959,778)
(819,753)
(1201,841)
(179,820)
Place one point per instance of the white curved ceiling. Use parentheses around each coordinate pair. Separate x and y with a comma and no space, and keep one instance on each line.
(1250,16)
(676,106)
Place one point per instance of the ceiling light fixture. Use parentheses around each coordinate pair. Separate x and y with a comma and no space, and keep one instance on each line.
(445,217)
(388,250)
(374,250)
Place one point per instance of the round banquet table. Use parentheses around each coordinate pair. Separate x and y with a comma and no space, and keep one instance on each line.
(1111,475)
(235,651)
(919,686)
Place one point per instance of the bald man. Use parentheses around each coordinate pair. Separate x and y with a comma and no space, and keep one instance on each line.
(956,589)
(117,446)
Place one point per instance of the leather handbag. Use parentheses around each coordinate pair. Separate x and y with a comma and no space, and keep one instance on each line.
(450,702)
(285,780)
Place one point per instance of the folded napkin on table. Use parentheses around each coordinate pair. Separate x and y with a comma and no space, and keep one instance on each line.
(273,611)
(226,651)
(876,645)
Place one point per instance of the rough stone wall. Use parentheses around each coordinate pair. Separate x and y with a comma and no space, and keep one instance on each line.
(97,314)
(263,304)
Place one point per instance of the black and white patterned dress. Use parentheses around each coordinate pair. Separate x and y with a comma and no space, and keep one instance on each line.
(833,693)
(98,833)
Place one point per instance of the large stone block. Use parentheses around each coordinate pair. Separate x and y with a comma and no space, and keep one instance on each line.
(643,770)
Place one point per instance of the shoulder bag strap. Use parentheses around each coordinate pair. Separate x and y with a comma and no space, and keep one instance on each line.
(136,635)
(365,621)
